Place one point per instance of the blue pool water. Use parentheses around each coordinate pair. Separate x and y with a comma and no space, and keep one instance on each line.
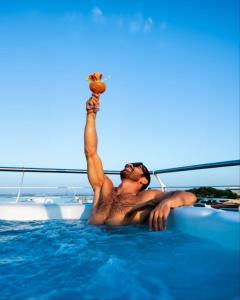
(73,260)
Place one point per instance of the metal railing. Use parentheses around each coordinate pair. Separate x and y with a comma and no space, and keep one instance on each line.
(51,170)
(24,170)
(229,163)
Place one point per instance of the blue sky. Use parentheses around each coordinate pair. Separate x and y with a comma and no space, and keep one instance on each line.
(173,96)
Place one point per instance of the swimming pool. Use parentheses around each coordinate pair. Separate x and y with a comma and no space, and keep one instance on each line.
(72,260)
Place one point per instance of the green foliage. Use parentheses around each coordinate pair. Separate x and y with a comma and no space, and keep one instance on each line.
(211,192)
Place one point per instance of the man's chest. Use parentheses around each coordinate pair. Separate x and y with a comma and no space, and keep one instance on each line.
(118,211)
(122,205)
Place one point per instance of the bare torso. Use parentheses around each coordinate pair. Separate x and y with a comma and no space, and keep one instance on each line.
(113,207)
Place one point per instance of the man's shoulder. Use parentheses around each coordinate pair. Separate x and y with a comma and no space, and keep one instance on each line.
(107,184)
(150,194)
(153,192)
(107,180)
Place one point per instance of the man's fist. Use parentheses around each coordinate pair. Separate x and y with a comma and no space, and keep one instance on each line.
(92,105)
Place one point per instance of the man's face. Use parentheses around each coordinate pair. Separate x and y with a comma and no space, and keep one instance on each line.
(131,172)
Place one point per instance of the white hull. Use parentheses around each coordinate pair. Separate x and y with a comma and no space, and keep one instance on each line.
(218,225)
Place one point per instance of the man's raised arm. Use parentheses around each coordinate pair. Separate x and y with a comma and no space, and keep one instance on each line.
(94,164)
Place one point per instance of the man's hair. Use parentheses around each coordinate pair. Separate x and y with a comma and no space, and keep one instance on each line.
(147,175)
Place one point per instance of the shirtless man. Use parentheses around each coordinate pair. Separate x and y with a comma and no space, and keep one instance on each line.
(129,203)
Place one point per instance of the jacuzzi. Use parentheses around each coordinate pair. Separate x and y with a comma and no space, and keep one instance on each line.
(220,226)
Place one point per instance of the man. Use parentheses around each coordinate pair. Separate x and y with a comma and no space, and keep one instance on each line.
(129,203)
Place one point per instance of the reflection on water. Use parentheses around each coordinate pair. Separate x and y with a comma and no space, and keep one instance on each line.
(72,260)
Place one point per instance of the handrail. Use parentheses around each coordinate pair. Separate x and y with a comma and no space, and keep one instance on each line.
(230,187)
(229,163)
(110,172)
(52,170)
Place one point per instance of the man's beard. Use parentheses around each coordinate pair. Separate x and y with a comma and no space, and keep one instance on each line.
(129,175)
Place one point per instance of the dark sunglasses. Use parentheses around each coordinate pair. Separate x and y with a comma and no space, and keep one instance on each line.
(137,164)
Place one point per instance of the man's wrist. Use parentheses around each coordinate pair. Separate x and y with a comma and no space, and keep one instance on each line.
(91,116)
(91,112)
(168,202)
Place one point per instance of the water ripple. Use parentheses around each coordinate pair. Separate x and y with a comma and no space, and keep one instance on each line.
(73,260)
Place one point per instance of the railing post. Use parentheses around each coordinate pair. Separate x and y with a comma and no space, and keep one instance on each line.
(163,186)
(72,190)
(20,186)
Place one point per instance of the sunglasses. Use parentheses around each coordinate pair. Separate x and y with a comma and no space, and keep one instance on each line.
(137,164)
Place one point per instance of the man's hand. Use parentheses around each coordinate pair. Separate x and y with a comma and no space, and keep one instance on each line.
(158,216)
(92,105)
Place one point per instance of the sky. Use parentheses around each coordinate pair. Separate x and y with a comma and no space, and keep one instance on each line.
(172,98)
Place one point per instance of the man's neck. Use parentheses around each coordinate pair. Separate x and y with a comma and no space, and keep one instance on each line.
(127,187)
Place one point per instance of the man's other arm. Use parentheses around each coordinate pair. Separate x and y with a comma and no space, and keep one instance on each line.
(157,205)
(158,216)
